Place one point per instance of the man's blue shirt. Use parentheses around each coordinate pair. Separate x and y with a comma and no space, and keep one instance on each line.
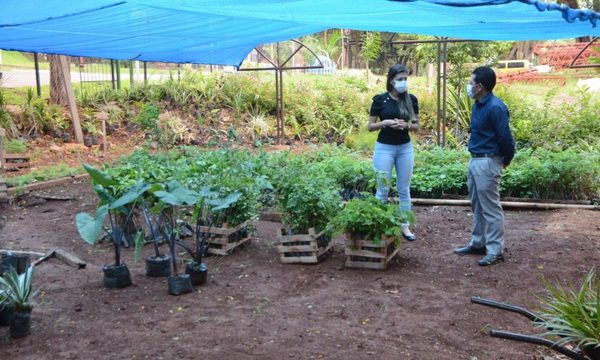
(490,133)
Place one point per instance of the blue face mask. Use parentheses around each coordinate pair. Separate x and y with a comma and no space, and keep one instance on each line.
(470,91)
(401,86)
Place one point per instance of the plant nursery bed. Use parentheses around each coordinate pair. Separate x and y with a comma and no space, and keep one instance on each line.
(308,248)
(368,254)
(255,307)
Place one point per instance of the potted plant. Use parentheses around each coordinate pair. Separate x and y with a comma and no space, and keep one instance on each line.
(18,292)
(228,227)
(6,308)
(91,128)
(171,196)
(115,275)
(157,265)
(208,210)
(372,231)
(573,316)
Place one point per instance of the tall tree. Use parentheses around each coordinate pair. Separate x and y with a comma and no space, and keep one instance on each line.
(58,93)
(370,47)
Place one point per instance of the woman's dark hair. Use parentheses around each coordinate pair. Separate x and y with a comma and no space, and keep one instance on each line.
(405,105)
(392,72)
(486,77)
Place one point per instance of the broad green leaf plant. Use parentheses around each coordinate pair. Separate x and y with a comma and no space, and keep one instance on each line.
(90,226)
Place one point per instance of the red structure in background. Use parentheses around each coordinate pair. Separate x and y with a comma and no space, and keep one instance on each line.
(531,76)
(556,55)
(560,56)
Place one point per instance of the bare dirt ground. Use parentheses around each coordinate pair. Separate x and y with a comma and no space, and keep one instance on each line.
(253,307)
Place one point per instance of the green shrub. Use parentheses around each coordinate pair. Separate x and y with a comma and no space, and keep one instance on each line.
(439,172)
(362,141)
(569,174)
(15,146)
(371,218)
(43,174)
(307,198)
(147,118)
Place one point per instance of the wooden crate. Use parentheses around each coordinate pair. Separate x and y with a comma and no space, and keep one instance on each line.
(304,248)
(367,254)
(15,161)
(223,240)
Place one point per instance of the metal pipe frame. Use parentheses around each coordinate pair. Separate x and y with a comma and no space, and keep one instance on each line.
(279,68)
(573,66)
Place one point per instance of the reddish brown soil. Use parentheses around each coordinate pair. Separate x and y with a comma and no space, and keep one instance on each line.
(256,308)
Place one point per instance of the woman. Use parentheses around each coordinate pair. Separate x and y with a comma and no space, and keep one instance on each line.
(398,112)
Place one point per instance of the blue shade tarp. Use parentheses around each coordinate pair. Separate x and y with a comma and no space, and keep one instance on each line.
(225,31)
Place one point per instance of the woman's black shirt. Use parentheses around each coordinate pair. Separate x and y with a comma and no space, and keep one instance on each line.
(385,107)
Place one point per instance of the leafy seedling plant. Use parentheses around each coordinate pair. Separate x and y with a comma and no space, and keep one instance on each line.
(116,275)
(209,210)
(171,197)
(371,219)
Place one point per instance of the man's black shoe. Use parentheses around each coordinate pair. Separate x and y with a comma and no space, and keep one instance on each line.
(469,250)
(490,260)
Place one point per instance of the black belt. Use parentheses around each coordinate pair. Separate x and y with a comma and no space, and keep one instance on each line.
(483,155)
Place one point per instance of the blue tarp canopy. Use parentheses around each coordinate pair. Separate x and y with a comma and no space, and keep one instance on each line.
(225,31)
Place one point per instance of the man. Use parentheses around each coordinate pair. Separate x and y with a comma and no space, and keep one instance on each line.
(492,148)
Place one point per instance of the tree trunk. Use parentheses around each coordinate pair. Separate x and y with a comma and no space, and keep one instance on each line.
(356,51)
(58,93)
(522,50)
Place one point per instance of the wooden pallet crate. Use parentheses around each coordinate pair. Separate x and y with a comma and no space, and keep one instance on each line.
(224,240)
(367,254)
(15,161)
(308,248)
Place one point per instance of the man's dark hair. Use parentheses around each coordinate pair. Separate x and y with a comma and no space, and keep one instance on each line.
(485,76)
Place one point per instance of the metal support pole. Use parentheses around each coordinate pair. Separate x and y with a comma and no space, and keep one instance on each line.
(178,72)
(145,73)
(444,88)
(343,49)
(277,106)
(438,88)
(281,103)
(112,74)
(118,70)
(37,74)
(131,82)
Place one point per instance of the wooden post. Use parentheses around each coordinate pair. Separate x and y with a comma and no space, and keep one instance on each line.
(2,135)
(64,66)
(103,117)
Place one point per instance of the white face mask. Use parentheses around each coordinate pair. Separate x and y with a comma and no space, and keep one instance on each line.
(470,91)
(401,86)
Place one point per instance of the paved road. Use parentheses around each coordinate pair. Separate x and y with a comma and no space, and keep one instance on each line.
(19,78)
